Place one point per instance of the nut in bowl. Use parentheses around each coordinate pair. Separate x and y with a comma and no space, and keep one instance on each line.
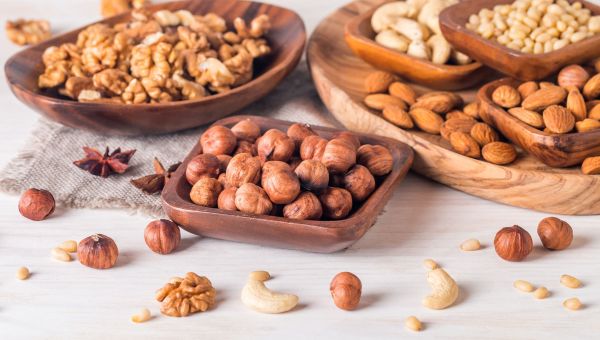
(312,220)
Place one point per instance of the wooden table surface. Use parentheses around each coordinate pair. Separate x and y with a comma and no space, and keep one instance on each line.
(423,220)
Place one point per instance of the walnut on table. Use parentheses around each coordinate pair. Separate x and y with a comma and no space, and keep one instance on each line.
(27,32)
(108,8)
(185,296)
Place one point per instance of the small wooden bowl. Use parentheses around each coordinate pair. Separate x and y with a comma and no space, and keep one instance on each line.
(314,236)
(557,151)
(287,38)
(523,66)
(360,37)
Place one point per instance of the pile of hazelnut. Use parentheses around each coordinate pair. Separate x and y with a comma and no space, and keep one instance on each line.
(295,174)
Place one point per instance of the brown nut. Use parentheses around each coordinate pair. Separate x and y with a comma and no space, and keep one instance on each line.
(377,158)
(223,163)
(339,155)
(506,96)
(349,137)
(558,119)
(162,236)
(281,185)
(98,251)
(313,175)
(527,88)
(513,243)
(555,233)
(312,147)
(465,145)
(36,204)
(204,165)
(243,168)
(246,130)
(336,202)
(346,290)
(206,192)
(218,140)
(275,145)
(294,162)
(250,198)
(298,132)
(245,146)
(306,207)
(573,75)
(226,199)
(359,182)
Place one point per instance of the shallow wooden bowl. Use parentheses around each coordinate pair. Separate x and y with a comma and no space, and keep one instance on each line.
(523,66)
(555,150)
(314,236)
(360,37)
(287,38)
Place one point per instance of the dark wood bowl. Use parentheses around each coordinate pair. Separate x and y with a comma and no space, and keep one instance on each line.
(287,38)
(360,37)
(523,66)
(557,151)
(314,236)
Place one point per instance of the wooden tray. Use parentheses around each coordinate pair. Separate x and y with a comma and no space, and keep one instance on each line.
(528,183)
(315,236)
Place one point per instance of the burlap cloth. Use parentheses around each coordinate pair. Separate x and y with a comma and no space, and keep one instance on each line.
(47,161)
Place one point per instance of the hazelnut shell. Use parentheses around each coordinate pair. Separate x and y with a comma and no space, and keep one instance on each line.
(246,130)
(98,251)
(555,233)
(36,204)
(346,290)
(513,243)
(218,140)
(306,207)
(336,202)
(204,165)
(162,236)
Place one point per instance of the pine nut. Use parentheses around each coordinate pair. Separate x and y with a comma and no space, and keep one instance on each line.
(541,293)
(413,323)
(22,273)
(523,286)
(430,264)
(61,255)
(572,304)
(570,281)
(143,316)
(470,245)
(260,275)
(69,246)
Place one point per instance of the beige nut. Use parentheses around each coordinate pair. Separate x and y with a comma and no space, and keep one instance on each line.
(430,264)
(444,290)
(524,286)
(470,245)
(440,49)
(570,281)
(413,324)
(22,273)
(541,293)
(385,16)
(258,297)
(142,316)
(69,246)
(259,275)
(61,255)
(572,304)
(393,40)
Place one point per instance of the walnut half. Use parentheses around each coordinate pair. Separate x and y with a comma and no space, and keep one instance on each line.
(185,296)
(27,32)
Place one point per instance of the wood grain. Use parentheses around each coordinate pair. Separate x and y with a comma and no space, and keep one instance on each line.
(526,183)
(286,37)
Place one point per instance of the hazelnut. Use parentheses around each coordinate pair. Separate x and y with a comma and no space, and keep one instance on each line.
(336,202)
(245,146)
(275,145)
(339,155)
(204,165)
(223,180)
(313,175)
(282,185)
(272,166)
(97,251)
(206,192)
(36,204)
(226,199)
(349,137)
(312,147)
(243,168)
(573,75)
(346,289)
(162,236)
(555,233)
(359,182)
(246,130)
(298,132)
(377,158)
(218,140)
(336,180)
(250,198)
(513,243)
(223,163)
(305,207)
(294,162)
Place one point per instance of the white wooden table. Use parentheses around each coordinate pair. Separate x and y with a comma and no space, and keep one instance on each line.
(423,220)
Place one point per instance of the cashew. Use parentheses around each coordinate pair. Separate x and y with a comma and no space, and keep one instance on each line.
(411,29)
(257,296)
(460,58)
(418,49)
(386,15)
(430,12)
(440,49)
(393,40)
(444,290)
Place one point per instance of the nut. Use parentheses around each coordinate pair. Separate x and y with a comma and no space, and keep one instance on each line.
(275,145)
(576,104)
(591,90)
(464,144)
(282,185)
(359,182)
(438,101)
(430,264)
(69,246)
(218,140)
(313,175)
(378,81)
(339,155)
(61,255)
(527,88)
(379,101)
(27,32)
(348,137)
(258,297)
(484,134)
(142,316)
(36,204)
(243,168)
(499,153)
(444,290)
(377,158)
(573,75)
(413,324)
(587,125)
(506,96)
(591,166)
(250,198)
(346,290)
(306,207)
(182,297)
(246,130)
(298,132)
(572,304)
(312,148)
(336,202)
(204,165)
(543,98)
(397,116)
(452,125)
(570,281)
(245,146)
(523,286)
(513,243)
(555,233)
(541,293)
(403,91)
(528,117)
(260,275)
(22,273)
(226,200)
(558,119)
(162,236)
(223,163)
(206,192)
(470,245)
(426,120)
(472,110)
(98,251)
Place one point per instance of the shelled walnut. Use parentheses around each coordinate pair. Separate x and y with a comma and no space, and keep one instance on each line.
(184,296)
(108,8)
(27,32)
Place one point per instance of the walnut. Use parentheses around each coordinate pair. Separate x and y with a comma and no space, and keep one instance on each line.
(27,32)
(112,81)
(189,89)
(256,47)
(215,73)
(182,297)
(134,93)
(54,75)
(75,85)
(141,61)
(166,18)
(108,8)
(54,54)
(259,26)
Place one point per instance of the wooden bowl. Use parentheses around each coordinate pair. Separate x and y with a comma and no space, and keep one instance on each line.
(555,150)
(287,38)
(360,37)
(315,236)
(523,66)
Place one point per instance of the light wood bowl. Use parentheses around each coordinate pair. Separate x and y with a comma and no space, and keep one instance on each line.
(523,66)
(287,39)
(315,236)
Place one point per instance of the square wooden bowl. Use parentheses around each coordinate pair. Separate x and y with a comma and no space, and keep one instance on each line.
(555,150)
(523,66)
(314,236)
(360,37)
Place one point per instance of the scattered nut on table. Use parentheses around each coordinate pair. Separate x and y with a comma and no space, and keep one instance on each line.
(555,233)
(572,304)
(413,324)
(524,286)
(97,251)
(346,290)
(570,281)
(444,290)
(513,243)
(541,293)
(36,204)
(69,246)
(142,316)
(258,297)
(470,245)
(162,236)
(184,296)
(27,32)
(22,273)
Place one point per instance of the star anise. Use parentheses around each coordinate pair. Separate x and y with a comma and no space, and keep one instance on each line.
(156,182)
(103,165)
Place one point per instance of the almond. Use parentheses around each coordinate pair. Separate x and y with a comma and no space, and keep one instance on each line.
(558,119)
(546,84)
(499,153)
(587,125)
(456,125)
(457,114)
(591,90)
(591,166)
(439,102)
(427,120)
(465,145)
(398,116)
(403,91)
(506,96)
(379,101)
(472,109)
(484,134)
(576,104)
(528,117)
(594,111)
(573,75)
(378,81)
(527,88)
(543,98)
